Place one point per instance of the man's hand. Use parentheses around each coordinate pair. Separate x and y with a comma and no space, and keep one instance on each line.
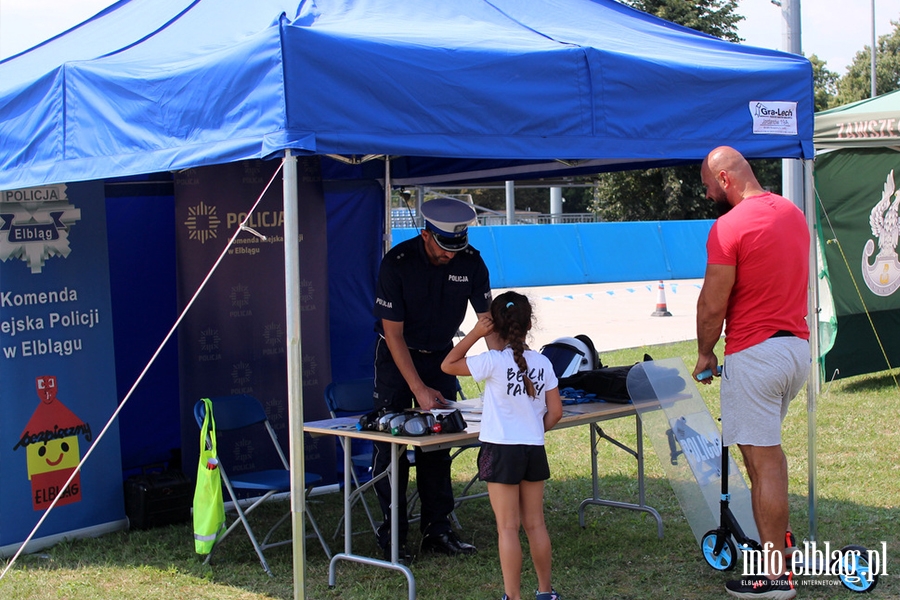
(712,305)
(430,399)
(706,362)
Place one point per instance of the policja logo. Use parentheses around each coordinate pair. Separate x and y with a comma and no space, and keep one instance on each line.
(202,222)
(34,224)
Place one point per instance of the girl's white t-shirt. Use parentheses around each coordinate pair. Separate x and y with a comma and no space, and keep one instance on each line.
(509,415)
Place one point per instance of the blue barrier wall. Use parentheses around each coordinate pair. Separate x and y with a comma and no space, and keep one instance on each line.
(572,253)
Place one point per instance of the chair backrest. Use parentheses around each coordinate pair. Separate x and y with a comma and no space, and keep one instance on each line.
(350,397)
(242,412)
(232,412)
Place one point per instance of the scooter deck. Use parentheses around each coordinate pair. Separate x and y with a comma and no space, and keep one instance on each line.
(688,444)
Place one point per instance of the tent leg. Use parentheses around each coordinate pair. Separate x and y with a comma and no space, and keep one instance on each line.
(294,370)
(388,223)
(812,384)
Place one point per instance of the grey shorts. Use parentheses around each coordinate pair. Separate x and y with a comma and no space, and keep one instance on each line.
(757,387)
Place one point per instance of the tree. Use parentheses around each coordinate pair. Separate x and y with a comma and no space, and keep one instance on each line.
(825,83)
(715,17)
(664,194)
(856,84)
(667,194)
(674,192)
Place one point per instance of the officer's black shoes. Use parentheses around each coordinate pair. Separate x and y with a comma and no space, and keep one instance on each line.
(447,543)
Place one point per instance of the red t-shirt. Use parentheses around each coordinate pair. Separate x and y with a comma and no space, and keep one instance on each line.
(766,239)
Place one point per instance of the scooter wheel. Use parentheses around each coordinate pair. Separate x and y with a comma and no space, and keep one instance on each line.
(724,560)
(854,570)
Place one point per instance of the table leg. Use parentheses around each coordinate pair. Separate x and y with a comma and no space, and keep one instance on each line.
(348,504)
(595,486)
(395,534)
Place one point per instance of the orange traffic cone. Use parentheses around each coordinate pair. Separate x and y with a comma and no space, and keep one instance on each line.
(661,310)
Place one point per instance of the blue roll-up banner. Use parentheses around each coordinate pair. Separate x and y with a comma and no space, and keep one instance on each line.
(57,367)
(233,338)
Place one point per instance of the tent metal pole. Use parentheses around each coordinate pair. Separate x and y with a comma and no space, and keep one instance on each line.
(556,205)
(388,224)
(294,371)
(791,169)
(812,384)
(872,74)
(420,198)
(510,202)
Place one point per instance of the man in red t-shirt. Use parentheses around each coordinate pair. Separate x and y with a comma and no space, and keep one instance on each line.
(756,285)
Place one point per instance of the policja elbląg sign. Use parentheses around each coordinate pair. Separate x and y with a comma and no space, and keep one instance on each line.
(57,367)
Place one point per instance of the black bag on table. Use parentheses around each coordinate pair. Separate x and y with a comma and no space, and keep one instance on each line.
(608,383)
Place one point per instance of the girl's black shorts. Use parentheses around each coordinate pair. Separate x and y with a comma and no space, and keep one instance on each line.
(512,463)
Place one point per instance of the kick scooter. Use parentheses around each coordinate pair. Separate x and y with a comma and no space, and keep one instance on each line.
(851,564)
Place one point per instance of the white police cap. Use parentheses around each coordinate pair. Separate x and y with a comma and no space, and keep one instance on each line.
(448,220)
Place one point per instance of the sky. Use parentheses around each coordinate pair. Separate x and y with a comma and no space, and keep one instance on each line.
(834,30)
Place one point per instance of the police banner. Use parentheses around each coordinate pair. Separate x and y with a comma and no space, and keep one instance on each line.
(57,367)
(233,339)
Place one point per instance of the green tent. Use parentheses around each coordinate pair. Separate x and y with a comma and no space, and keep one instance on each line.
(857,178)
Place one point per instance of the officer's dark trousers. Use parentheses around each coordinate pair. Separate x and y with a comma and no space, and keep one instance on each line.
(433,480)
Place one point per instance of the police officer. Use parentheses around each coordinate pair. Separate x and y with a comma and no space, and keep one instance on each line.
(424,287)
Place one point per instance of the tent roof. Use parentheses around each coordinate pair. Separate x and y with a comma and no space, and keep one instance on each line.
(157,85)
(870,123)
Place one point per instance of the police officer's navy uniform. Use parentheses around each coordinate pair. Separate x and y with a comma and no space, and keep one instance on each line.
(431,301)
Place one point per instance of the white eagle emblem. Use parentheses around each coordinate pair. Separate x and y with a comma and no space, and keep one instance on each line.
(883,276)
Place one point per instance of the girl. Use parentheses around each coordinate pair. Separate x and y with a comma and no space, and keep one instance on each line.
(521,402)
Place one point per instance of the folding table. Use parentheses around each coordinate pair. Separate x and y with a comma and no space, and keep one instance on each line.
(574,415)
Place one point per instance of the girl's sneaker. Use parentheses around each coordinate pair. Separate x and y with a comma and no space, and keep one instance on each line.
(551,595)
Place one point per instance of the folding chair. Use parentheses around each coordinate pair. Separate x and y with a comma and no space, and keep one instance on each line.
(348,399)
(242,424)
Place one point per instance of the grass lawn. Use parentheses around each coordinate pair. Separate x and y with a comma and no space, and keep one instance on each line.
(617,554)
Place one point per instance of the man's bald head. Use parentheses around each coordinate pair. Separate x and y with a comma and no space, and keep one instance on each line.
(729,159)
(728,177)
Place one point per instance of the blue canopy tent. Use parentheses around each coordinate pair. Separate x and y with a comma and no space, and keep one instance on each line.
(442,91)
(149,86)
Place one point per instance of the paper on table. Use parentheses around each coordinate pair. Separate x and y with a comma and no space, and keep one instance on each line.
(472,405)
